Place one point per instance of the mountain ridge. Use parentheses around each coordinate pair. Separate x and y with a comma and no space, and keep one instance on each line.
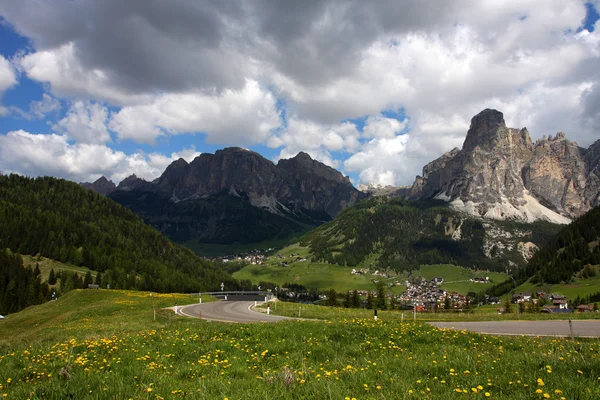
(188,200)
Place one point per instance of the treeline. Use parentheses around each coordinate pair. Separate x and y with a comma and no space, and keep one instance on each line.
(568,252)
(60,220)
(405,235)
(19,287)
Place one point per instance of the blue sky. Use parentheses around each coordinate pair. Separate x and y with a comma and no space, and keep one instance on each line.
(93,88)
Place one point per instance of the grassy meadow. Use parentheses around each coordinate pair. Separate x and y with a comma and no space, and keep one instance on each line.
(106,344)
(325,276)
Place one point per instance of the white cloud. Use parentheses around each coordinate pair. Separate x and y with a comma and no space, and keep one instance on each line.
(382,127)
(237,117)
(379,161)
(62,69)
(85,123)
(39,154)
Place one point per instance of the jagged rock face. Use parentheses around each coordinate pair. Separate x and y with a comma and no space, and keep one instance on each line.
(230,169)
(102,186)
(312,185)
(556,175)
(297,182)
(501,174)
(132,182)
(592,189)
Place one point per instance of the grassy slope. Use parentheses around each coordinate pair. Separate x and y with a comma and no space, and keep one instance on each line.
(46,265)
(456,279)
(324,276)
(107,346)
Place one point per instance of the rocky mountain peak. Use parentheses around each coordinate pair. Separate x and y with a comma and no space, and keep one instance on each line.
(303,162)
(484,128)
(173,174)
(499,173)
(102,185)
(132,182)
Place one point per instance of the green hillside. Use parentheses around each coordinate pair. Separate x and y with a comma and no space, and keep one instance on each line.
(569,263)
(62,221)
(569,252)
(401,235)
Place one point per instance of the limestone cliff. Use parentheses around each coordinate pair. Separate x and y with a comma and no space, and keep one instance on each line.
(499,173)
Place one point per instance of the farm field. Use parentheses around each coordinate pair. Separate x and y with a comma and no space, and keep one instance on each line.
(105,344)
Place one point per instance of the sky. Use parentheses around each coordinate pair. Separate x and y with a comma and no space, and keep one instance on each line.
(374,89)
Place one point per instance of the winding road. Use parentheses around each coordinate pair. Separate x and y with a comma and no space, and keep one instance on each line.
(581,328)
(228,311)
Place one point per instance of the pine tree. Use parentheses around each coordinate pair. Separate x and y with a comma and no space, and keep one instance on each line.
(380,302)
(52,277)
(98,280)
(348,300)
(507,305)
(355,299)
(331,298)
(87,280)
(369,301)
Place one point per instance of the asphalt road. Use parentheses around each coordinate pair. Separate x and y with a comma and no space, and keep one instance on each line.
(581,328)
(228,311)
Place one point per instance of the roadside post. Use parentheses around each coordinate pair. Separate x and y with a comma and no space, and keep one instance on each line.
(375,314)
(268,309)
(571,329)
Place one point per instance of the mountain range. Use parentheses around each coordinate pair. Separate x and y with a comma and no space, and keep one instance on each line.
(236,195)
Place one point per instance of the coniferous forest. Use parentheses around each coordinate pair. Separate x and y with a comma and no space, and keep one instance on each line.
(573,252)
(19,287)
(569,252)
(60,220)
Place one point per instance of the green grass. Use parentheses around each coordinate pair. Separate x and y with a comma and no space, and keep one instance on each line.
(105,344)
(46,265)
(456,279)
(580,287)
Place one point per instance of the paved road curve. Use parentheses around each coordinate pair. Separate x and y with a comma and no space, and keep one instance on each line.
(581,328)
(228,311)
